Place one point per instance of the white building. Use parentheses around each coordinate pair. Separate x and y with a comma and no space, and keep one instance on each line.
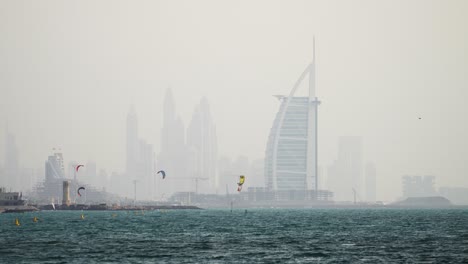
(291,152)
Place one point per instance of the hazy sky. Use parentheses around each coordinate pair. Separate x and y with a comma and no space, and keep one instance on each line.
(69,71)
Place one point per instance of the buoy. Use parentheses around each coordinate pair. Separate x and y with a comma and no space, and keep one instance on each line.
(17,223)
(35,219)
(82,216)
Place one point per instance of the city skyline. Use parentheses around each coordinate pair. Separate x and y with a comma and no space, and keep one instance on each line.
(151,192)
(262,131)
(382,66)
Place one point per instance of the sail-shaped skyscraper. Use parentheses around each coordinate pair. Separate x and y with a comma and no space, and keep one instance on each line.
(291,152)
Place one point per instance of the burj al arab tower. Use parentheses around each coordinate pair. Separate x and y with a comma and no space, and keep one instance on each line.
(291,152)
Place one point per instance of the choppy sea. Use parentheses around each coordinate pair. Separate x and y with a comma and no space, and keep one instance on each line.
(255,236)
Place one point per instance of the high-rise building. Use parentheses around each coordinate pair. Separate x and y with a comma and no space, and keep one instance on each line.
(345,174)
(173,154)
(54,168)
(140,161)
(202,146)
(146,171)
(11,178)
(371,182)
(291,153)
(132,144)
(57,188)
(51,188)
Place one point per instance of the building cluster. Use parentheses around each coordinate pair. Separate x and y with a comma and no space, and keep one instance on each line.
(140,164)
(51,188)
(188,156)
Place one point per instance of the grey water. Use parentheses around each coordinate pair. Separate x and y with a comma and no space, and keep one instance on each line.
(219,236)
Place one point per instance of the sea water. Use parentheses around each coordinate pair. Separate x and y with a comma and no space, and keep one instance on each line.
(219,236)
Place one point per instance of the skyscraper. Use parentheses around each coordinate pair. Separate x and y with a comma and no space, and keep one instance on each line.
(202,145)
(345,174)
(54,168)
(51,189)
(291,153)
(146,171)
(140,161)
(132,144)
(173,155)
(11,170)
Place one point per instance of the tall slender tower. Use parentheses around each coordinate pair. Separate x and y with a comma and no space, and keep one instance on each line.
(11,162)
(202,145)
(172,157)
(312,129)
(291,153)
(132,143)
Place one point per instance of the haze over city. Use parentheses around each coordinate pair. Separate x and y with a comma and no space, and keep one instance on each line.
(394,73)
(224,131)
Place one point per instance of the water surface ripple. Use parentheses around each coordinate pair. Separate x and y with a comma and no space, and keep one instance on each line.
(218,236)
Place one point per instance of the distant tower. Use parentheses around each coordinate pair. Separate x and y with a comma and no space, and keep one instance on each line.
(140,158)
(169,114)
(54,168)
(173,155)
(11,179)
(168,123)
(172,132)
(145,172)
(202,145)
(345,175)
(291,154)
(132,143)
